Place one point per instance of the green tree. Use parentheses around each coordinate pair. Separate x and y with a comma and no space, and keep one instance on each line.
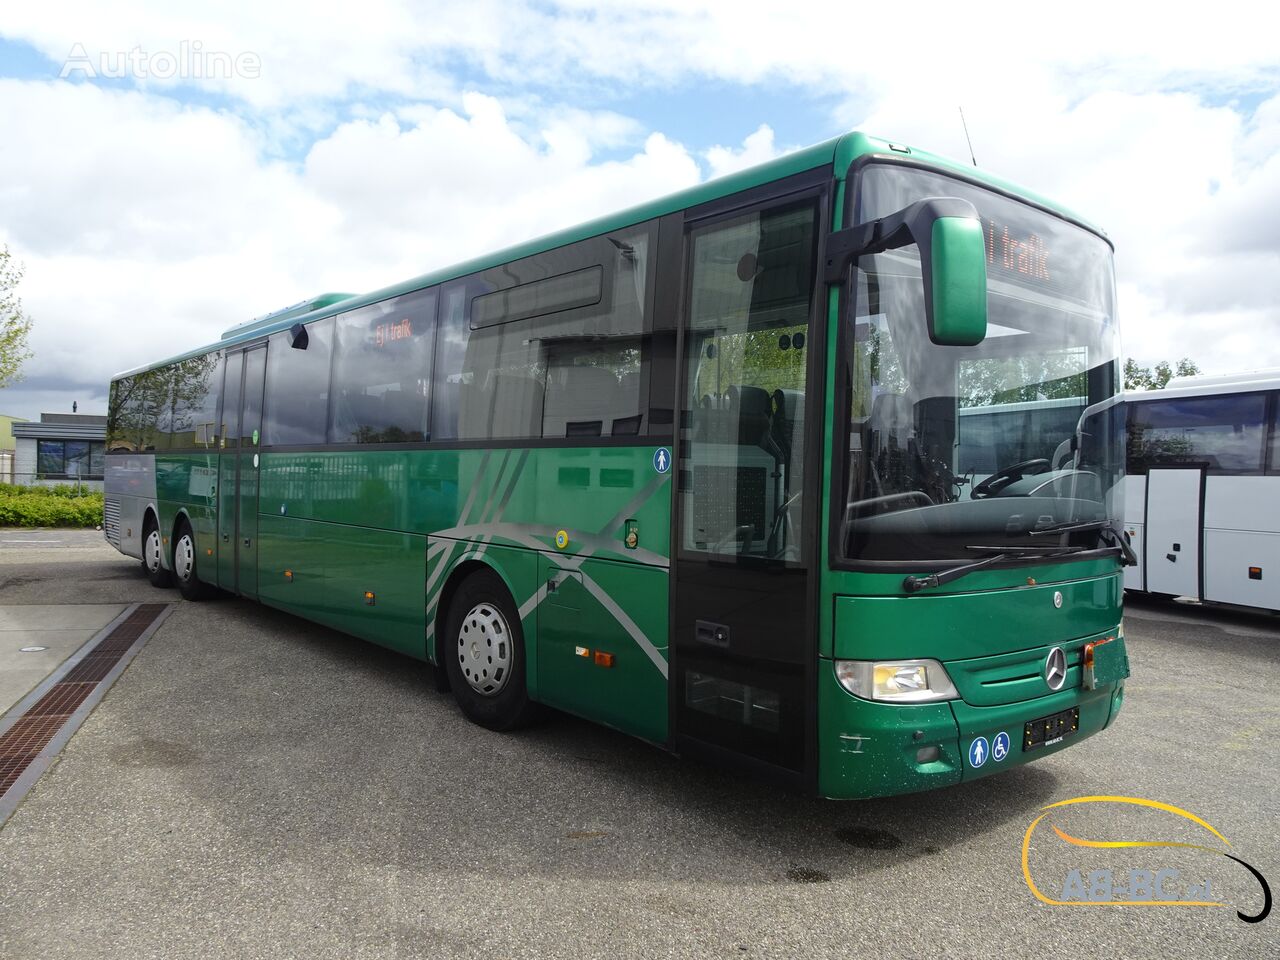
(1157,377)
(15,325)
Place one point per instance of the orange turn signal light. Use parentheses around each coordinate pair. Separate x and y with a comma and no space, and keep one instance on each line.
(369,597)
(288,574)
(604,659)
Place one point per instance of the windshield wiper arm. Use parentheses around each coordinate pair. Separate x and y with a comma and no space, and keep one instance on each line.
(916,584)
(1070,526)
(1105,527)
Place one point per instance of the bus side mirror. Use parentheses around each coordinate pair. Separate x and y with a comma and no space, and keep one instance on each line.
(953,262)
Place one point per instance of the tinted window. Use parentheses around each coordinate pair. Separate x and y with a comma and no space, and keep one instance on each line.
(573,373)
(194,385)
(382,371)
(134,409)
(1275,434)
(297,408)
(231,387)
(538,298)
(1223,433)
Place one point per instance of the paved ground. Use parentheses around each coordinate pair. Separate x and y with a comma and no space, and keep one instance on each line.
(257,787)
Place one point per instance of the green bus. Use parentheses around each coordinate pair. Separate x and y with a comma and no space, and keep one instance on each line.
(692,471)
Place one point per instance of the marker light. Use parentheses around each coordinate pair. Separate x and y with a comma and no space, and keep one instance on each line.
(896,681)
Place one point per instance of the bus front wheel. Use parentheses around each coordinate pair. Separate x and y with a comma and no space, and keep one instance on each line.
(483,654)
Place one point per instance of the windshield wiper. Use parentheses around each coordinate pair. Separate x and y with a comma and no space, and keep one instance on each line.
(916,584)
(1070,526)
(1105,527)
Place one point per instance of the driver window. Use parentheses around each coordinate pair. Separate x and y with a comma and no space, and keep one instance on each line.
(742,426)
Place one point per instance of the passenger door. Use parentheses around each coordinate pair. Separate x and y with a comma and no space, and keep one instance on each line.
(255,366)
(745,527)
(1175,518)
(228,462)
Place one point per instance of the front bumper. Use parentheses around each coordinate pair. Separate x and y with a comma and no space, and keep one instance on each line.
(869,749)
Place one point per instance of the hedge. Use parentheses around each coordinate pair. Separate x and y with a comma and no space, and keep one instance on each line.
(60,506)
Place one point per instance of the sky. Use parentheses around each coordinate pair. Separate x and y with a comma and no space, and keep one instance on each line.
(167,173)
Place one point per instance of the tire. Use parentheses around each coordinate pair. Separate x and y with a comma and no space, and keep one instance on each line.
(186,563)
(484,655)
(152,552)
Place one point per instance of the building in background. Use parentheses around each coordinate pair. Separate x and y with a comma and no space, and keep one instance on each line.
(61,448)
(6,446)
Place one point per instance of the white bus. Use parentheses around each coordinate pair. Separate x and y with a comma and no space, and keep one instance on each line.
(1202,494)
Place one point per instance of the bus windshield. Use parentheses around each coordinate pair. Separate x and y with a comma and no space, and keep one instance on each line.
(955,451)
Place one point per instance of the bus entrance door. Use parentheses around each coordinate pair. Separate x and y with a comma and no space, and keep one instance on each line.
(255,368)
(227,472)
(742,644)
(1175,505)
(238,472)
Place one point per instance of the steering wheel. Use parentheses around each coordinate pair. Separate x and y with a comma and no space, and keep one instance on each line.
(1005,476)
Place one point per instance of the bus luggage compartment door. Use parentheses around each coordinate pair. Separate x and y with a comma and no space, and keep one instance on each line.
(1175,507)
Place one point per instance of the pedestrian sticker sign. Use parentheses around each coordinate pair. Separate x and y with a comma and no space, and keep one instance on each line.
(978,752)
(999,746)
(662,459)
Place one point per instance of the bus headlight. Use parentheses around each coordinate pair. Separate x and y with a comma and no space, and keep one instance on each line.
(896,681)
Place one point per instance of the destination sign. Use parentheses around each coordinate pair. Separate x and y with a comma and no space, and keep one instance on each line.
(385,333)
(1016,251)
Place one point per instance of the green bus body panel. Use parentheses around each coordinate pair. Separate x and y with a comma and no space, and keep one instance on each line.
(631,695)
(186,486)
(333,527)
(333,566)
(960,626)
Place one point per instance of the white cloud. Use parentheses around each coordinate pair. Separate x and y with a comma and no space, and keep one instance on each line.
(757,148)
(148,228)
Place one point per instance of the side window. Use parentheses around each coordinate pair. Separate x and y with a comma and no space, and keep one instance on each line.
(194,385)
(1223,433)
(382,371)
(231,391)
(132,411)
(554,346)
(744,405)
(1275,434)
(297,405)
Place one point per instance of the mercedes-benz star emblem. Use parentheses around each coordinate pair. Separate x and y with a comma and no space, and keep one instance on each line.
(1055,669)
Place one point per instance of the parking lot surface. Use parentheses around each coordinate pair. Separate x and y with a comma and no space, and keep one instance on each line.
(255,786)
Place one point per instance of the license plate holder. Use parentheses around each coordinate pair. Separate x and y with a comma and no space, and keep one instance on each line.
(1051,729)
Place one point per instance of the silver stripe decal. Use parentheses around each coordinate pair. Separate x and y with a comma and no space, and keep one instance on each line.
(628,624)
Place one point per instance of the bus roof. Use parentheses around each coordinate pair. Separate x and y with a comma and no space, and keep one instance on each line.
(838,152)
(1203,386)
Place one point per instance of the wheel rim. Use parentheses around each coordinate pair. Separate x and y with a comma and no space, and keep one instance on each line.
(152,551)
(184,557)
(484,649)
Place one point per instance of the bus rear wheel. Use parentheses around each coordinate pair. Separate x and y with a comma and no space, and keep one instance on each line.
(185,563)
(152,556)
(483,651)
